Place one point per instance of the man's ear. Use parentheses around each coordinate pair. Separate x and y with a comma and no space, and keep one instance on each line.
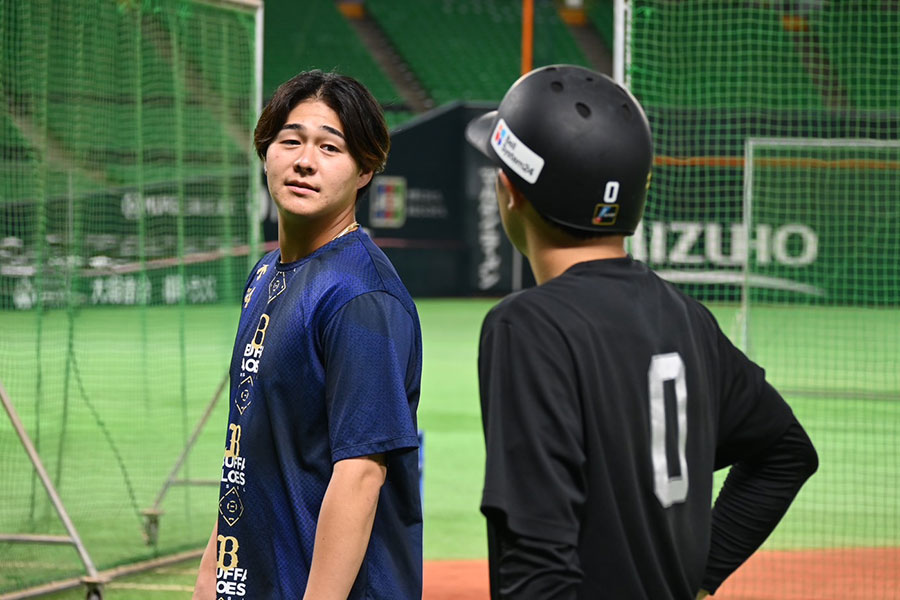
(515,199)
(364,178)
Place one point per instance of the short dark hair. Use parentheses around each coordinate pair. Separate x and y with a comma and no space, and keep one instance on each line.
(365,130)
(576,234)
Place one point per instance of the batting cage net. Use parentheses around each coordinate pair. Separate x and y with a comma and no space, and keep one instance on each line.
(126,219)
(774,200)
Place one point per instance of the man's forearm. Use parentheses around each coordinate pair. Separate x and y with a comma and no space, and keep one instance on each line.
(755,496)
(344,526)
(205,588)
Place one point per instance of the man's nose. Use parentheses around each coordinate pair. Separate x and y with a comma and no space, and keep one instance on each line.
(306,160)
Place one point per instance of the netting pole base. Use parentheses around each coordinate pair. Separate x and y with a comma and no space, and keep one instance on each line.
(151,525)
(93,588)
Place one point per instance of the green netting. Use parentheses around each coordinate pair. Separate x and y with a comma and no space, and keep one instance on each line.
(470,49)
(824,215)
(774,200)
(125,136)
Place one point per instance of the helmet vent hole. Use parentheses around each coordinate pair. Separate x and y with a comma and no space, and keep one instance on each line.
(626,112)
(583,109)
(556,86)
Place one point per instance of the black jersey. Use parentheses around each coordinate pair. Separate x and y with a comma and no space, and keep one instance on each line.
(608,399)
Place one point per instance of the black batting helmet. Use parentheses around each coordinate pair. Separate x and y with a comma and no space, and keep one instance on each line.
(575,143)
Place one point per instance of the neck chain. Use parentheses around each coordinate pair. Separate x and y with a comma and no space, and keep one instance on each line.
(351,227)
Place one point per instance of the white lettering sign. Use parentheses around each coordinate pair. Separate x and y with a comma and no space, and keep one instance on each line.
(489,234)
(694,243)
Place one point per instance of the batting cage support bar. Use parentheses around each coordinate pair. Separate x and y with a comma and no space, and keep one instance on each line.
(104,576)
(152,514)
(73,537)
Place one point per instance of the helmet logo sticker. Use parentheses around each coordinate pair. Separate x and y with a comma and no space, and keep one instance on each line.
(605,214)
(523,161)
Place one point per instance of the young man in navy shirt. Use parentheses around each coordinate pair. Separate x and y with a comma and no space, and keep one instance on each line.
(320,494)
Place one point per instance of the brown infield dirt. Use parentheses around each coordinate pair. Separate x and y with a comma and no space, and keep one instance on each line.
(835,574)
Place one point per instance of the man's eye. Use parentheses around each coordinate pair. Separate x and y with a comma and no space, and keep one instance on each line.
(330,148)
(290,142)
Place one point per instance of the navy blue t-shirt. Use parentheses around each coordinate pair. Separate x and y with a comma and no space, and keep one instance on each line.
(326,366)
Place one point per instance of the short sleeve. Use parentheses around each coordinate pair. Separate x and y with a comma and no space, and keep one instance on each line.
(534,471)
(371,351)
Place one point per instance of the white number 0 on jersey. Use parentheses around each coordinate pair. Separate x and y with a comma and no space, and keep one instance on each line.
(668,367)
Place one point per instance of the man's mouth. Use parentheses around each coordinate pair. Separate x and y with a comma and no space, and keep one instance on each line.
(302,185)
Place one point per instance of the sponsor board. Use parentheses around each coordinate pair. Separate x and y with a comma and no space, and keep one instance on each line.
(387,207)
(712,253)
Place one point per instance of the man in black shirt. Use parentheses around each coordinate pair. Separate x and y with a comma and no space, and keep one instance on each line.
(608,396)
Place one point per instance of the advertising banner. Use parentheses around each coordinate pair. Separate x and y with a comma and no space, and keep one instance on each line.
(169,244)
